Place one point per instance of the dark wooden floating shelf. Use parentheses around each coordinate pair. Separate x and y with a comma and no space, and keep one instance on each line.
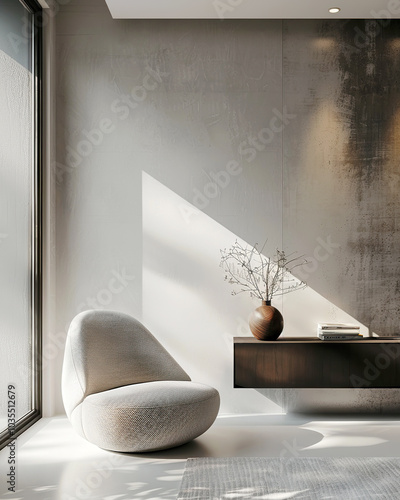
(308,362)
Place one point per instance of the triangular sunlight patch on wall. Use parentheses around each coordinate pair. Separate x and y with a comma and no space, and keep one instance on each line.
(189,306)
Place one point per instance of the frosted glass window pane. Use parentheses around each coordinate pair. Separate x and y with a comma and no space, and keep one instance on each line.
(16,167)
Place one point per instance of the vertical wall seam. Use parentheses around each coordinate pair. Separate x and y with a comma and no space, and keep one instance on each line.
(282,149)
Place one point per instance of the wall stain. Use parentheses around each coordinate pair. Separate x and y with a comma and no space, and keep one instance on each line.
(369,68)
(343,81)
(369,72)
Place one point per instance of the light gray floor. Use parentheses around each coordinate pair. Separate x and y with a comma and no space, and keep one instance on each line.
(56,464)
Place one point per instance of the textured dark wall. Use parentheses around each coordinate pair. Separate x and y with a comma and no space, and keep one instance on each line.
(341,162)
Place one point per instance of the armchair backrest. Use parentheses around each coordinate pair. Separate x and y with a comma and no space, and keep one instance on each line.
(107,349)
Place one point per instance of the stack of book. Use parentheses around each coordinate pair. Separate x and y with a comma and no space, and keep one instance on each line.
(339,331)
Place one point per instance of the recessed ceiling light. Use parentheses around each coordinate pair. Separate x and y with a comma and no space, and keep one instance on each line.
(334,10)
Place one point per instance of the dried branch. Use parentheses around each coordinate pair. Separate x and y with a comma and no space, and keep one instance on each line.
(263,277)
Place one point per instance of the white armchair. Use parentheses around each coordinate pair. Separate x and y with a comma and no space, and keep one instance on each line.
(124,392)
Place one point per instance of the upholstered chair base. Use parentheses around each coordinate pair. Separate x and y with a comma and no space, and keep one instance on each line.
(148,417)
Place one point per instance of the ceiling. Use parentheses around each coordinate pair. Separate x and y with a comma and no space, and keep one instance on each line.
(252,9)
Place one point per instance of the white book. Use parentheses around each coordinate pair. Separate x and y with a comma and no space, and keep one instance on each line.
(338,326)
(340,331)
(339,337)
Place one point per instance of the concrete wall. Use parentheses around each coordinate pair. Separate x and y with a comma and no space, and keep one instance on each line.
(174,138)
(341,163)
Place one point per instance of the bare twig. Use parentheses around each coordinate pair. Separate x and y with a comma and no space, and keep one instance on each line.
(261,276)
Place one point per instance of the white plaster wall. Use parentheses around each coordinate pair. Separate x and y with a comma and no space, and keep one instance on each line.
(131,207)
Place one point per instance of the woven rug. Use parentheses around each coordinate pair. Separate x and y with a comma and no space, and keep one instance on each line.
(296,478)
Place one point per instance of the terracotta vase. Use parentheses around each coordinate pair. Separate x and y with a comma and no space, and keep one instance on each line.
(266,322)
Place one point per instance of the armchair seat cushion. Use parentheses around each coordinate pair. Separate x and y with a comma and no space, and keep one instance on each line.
(148,416)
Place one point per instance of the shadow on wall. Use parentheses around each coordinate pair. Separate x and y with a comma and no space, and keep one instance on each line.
(336,401)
